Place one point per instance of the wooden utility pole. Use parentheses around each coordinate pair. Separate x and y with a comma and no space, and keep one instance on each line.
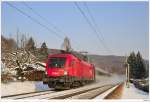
(17,39)
(128,77)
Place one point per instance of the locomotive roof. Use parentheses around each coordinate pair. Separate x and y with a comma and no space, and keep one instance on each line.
(76,54)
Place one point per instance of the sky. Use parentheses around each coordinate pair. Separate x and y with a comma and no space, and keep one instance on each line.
(123,26)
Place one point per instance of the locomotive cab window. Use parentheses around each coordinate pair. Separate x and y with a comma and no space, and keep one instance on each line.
(57,62)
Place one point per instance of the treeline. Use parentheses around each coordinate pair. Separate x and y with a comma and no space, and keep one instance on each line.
(137,66)
(28,44)
(7,44)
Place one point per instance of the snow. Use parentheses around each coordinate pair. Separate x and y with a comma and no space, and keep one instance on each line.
(32,86)
(41,63)
(22,87)
(127,93)
(3,66)
(133,93)
(38,66)
(39,86)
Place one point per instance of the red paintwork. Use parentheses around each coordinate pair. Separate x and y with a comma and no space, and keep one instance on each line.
(80,68)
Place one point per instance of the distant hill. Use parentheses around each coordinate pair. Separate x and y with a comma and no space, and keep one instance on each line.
(112,64)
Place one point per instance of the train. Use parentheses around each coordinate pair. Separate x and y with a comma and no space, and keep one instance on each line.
(68,70)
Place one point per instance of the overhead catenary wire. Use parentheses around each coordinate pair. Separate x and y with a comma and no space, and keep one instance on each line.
(42,25)
(92,18)
(96,26)
(43,18)
(91,26)
(47,21)
(35,20)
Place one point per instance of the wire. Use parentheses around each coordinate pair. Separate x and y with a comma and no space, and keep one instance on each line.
(43,18)
(34,20)
(96,26)
(90,24)
(91,16)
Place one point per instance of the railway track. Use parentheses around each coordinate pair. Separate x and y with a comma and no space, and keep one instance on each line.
(86,92)
(25,95)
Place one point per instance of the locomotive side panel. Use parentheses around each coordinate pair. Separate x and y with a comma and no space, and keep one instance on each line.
(87,70)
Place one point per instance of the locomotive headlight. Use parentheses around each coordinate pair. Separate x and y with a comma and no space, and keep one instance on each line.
(45,72)
(65,72)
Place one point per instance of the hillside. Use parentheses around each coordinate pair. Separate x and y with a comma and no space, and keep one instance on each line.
(112,64)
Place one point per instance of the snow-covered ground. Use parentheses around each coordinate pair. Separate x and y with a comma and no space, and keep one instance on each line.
(32,86)
(39,86)
(133,93)
(22,87)
(127,93)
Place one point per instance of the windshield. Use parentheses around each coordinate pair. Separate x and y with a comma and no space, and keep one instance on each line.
(57,62)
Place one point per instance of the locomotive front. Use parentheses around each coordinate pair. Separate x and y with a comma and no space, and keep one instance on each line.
(57,71)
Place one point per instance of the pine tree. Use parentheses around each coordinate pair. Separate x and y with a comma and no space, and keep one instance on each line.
(43,52)
(44,49)
(137,67)
(132,64)
(141,70)
(30,46)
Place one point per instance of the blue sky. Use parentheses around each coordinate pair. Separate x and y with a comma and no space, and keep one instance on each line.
(123,25)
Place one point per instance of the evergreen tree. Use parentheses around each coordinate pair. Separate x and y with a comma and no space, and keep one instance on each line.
(140,67)
(132,64)
(30,46)
(137,67)
(44,49)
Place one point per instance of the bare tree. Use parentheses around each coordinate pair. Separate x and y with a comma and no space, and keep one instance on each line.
(21,39)
(66,45)
(17,38)
(8,44)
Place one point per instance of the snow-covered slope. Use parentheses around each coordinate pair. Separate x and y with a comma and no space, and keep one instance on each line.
(133,93)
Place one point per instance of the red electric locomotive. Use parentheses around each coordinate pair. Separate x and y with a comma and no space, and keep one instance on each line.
(66,70)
